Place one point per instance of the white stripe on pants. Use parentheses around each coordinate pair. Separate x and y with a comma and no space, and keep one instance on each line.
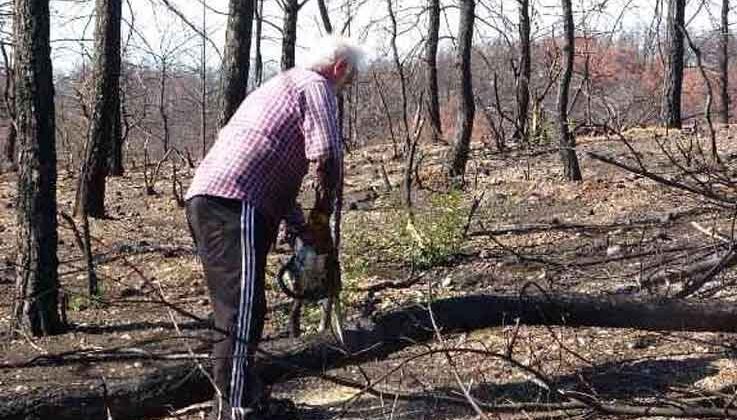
(242,334)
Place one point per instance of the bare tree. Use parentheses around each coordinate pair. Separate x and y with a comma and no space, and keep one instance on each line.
(671,111)
(724,63)
(708,100)
(289,31)
(163,104)
(325,16)
(466,105)
(567,141)
(431,59)
(523,78)
(37,281)
(105,120)
(113,50)
(237,57)
(203,82)
(115,159)
(8,153)
(258,76)
(399,65)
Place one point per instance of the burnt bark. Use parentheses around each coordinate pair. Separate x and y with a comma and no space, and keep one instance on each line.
(671,112)
(289,33)
(567,141)
(431,75)
(163,105)
(203,83)
(113,72)
(115,160)
(236,60)
(8,159)
(183,384)
(399,65)
(523,78)
(466,104)
(724,63)
(325,16)
(258,75)
(104,133)
(36,305)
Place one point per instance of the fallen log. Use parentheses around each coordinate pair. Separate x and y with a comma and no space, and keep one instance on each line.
(556,225)
(694,276)
(179,385)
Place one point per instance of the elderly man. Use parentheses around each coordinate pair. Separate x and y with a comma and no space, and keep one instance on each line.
(246,184)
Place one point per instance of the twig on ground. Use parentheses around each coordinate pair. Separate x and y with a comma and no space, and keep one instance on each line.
(712,233)
(410,281)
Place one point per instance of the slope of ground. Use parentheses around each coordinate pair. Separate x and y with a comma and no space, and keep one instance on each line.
(601,235)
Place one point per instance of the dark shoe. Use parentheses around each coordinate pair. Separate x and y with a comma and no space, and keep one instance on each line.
(224,413)
(277,409)
(252,414)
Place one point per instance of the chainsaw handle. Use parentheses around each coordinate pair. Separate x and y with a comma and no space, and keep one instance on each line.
(288,267)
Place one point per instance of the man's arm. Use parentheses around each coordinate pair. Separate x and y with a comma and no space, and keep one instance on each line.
(324,148)
(328,197)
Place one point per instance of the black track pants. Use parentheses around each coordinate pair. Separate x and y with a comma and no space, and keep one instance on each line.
(232,240)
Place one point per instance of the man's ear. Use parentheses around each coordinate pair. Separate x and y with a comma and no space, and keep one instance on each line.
(341,67)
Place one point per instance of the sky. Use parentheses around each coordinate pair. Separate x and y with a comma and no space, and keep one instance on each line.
(156,32)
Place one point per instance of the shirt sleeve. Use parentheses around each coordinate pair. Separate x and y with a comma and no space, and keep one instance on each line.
(323,146)
(320,125)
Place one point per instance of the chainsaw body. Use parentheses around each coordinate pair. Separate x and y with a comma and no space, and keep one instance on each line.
(306,274)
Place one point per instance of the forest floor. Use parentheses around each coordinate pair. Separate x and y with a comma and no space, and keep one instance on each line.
(627,225)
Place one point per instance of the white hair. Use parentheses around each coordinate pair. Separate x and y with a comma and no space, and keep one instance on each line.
(329,49)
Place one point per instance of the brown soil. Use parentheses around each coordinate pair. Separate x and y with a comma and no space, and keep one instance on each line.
(151,280)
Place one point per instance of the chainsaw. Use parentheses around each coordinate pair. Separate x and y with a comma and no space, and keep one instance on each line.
(304,275)
(307,275)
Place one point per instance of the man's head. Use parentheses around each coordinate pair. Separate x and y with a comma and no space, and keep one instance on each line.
(337,58)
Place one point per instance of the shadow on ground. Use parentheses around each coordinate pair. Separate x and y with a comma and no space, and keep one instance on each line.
(609,381)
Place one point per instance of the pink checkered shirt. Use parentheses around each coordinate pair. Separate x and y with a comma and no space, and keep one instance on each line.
(263,153)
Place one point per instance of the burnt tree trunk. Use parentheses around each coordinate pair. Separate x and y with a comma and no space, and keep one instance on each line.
(671,112)
(399,65)
(289,33)
(8,159)
(567,142)
(36,305)
(163,105)
(258,60)
(105,123)
(466,105)
(115,160)
(237,57)
(523,78)
(431,59)
(203,83)
(724,63)
(113,71)
(180,385)
(325,16)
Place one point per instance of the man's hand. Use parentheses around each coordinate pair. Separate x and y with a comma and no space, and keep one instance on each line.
(317,232)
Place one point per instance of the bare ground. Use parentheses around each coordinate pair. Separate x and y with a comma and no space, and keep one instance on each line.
(155,304)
